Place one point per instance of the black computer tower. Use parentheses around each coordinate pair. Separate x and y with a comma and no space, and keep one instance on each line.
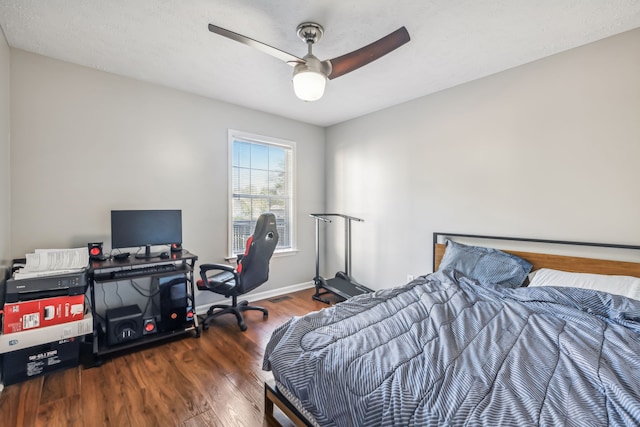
(173,302)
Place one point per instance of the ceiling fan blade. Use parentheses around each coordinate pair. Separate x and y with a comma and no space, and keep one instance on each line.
(352,61)
(265,48)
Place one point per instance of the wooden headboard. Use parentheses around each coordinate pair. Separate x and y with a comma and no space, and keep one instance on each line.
(557,262)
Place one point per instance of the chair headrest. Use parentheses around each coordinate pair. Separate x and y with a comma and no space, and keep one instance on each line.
(266,223)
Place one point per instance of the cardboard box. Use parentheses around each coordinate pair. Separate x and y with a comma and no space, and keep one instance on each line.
(21,316)
(32,362)
(39,336)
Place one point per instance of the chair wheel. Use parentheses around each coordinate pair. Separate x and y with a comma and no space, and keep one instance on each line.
(265,315)
(243,327)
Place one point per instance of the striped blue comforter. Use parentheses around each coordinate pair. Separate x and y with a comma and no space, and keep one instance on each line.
(443,350)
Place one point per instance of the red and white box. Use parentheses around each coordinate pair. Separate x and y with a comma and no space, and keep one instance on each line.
(27,315)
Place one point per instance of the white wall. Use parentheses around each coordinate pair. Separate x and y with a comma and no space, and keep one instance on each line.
(5,183)
(546,150)
(85,142)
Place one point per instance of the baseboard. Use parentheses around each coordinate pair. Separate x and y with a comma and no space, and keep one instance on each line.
(256,296)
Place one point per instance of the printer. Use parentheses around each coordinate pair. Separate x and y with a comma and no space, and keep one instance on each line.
(28,289)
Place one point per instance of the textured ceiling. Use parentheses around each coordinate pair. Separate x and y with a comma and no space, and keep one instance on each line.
(167,42)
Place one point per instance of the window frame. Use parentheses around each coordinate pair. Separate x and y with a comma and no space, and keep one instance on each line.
(242,136)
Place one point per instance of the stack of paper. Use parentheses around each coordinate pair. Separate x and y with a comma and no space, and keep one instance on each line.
(49,262)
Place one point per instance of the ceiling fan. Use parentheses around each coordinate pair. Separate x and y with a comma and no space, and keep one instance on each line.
(310,74)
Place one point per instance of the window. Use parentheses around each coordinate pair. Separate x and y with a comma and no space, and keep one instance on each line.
(261,181)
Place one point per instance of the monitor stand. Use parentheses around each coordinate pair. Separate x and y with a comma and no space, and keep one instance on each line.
(147,253)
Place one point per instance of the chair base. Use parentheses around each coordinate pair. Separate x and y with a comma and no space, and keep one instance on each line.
(236,308)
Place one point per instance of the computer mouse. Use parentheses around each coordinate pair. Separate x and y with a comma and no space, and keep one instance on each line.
(164,255)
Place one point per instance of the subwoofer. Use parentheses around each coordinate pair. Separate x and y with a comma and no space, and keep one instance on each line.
(123,324)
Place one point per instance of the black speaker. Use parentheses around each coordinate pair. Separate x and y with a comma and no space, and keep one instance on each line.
(176,247)
(149,326)
(123,324)
(173,302)
(95,251)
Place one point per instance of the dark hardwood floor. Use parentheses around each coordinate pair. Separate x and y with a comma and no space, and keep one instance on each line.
(214,380)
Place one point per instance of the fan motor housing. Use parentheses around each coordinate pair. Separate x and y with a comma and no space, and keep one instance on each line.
(310,32)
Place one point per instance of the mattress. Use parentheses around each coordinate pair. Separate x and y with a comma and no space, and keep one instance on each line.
(444,350)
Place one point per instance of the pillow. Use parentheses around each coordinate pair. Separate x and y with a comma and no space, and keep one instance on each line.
(486,265)
(627,286)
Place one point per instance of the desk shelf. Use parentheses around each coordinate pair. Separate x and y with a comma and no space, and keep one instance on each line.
(104,349)
(101,274)
(138,273)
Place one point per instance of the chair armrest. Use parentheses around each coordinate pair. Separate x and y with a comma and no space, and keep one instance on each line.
(211,282)
(208,267)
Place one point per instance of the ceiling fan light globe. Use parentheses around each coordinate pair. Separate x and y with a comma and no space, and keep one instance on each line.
(308,85)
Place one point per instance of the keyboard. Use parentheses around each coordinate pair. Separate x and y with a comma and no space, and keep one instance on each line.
(144,271)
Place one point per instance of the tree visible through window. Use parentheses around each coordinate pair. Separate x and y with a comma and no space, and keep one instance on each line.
(261,181)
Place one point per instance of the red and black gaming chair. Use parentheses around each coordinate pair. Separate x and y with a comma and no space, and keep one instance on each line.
(252,271)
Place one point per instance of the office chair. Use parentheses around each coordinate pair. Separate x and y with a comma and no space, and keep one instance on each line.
(252,271)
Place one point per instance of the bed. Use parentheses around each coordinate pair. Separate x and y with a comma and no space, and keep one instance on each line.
(492,337)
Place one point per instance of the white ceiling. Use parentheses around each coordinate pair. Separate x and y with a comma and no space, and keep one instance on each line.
(167,42)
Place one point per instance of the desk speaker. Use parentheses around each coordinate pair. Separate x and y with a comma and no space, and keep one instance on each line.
(95,251)
(149,326)
(123,324)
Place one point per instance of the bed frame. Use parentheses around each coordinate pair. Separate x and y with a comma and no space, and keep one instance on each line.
(272,396)
(557,262)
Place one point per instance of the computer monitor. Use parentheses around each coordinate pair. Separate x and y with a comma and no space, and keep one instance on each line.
(135,228)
